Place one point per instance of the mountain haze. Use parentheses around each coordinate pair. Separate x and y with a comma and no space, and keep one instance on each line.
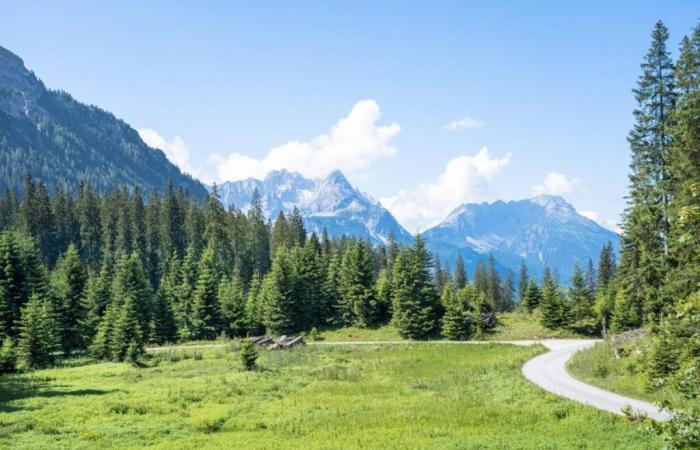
(63,142)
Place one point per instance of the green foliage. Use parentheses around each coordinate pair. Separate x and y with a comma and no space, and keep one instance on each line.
(69,285)
(232,302)
(414,299)
(8,357)
(357,305)
(457,323)
(533,296)
(249,354)
(38,333)
(205,307)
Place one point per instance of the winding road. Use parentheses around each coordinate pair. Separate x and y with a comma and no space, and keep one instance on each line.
(547,371)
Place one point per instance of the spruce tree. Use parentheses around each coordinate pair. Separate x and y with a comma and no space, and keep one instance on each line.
(127,341)
(580,296)
(357,303)
(279,296)
(456,325)
(625,315)
(460,278)
(205,306)
(38,333)
(414,299)
(233,304)
(163,328)
(646,224)
(533,296)
(69,285)
(522,281)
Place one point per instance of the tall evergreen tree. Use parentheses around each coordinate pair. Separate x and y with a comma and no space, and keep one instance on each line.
(357,305)
(414,299)
(69,285)
(38,333)
(205,306)
(646,224)
(460,274)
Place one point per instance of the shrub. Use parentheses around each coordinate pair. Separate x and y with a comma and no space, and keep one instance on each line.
(249,354)
(8,357)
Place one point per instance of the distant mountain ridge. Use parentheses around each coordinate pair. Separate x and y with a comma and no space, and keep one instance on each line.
(541,230)
(330,202)
(63,142)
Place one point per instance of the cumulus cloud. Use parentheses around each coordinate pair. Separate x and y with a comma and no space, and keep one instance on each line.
(465,179)
(464,123)
(352,144)
(176,149)
(603,222)
(555,183)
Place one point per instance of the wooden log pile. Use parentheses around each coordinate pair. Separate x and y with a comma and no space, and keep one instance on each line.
(282,342)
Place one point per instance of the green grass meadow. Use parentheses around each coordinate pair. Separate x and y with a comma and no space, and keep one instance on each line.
(316,397)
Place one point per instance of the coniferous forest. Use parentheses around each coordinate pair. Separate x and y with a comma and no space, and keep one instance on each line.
(109,272)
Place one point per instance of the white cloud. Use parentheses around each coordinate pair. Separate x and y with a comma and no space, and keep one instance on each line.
(465,179)
(603,222)
(351,145)
(176,150)
(464,123)
(555,183)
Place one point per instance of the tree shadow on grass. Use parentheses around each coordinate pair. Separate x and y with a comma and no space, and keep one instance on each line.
(21,387)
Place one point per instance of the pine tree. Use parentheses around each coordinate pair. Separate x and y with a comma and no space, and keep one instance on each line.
(90,227)
(624,316)
(69,285)
(522,281)
(205,306)
(684,239)
(258,236)
(127,341)
(552,306)
(579,295)
(460,274)
(384,295)
(456,324)
(215,233)
(12,283)
(533,296)
(297,232)
(185,294)
(97,297)
(357,304)
(38,333)
(645,246)
(606,265)
(310,278)
(233,302)
(130,283)
(507,293)
(414,299)
(254,307)
(163,328)
(279,296)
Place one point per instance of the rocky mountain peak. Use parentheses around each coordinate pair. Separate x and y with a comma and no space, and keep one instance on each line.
(19,88)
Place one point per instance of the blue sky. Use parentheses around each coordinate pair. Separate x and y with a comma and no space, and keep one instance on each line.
(368,87)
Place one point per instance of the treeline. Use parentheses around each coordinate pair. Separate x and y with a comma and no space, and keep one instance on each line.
(109,274)
(586,306)
(657,283)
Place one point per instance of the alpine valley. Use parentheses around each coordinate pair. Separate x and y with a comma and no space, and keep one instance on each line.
(63,142)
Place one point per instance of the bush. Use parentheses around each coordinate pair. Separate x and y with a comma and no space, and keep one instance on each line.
(8,357)
(249,354)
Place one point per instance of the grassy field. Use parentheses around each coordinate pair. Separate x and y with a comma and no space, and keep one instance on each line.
(511,326)
(521,325)
(407,396)
(598,366)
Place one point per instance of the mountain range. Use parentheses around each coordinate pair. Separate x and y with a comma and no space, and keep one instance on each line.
(331,203)
(64,142)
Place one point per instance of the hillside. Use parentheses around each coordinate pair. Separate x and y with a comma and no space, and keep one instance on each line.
(63,142)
